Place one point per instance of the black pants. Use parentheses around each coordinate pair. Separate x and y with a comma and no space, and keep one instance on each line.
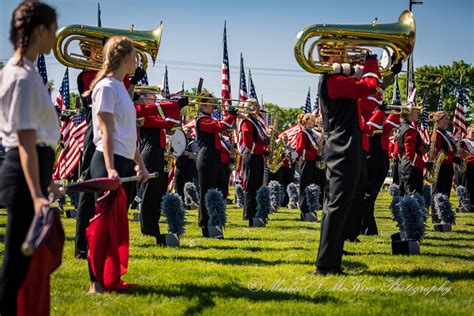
(377,168)
(85,208)
(396,171)
(182,175)
(309,174)
(442,185)
(253,174)
(343,161)
(207,165)
(124,167)
(285,176)
(153,190)
(16,196)
(467,180)
(357,211)
(223,179)
(411,178)
(269,176)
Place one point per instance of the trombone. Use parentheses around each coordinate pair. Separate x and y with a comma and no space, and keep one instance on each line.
(403,108)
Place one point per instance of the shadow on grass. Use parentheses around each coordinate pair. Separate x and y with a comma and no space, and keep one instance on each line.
(450,275)
(448,238)
(250,248)
(205,294)
(238,261)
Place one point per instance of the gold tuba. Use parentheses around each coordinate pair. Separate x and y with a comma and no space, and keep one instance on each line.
(351,42)
(91,41)
(431,176)
(274,161)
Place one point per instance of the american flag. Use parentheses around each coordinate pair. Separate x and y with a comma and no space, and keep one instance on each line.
(217,114)
(307,106)
(396,92)
(62,99)
(253,93)
(291,132)
(225,92)
(316,109)
(144,81)
(243,85)
(165,86)
(41,64)
(440,103)
(459,120)
(411,87)
(424,127)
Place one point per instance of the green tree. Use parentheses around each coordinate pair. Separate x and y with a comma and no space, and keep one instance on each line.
(428,85)
(286,116)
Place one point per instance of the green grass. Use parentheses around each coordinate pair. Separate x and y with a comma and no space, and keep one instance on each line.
(212,277)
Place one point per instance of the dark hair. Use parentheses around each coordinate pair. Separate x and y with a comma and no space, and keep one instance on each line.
(27,16)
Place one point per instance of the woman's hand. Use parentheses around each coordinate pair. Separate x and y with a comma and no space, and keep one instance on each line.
(39,202)
(112,174)
(143,173)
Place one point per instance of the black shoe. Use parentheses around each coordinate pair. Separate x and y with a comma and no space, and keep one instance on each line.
(329,271)
(81,255)
(353,239)
(348,253)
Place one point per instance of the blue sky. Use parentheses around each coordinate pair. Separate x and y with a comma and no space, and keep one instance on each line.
(263,30)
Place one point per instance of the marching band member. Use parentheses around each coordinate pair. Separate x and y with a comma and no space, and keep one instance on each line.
(225,166)
(29,131)
(114,122)
(254,138)
(186,163)
(307,149)
(410,151)
(153,142)
(208,136)
(285,174)
(467,178)
(343,152)
(446,143)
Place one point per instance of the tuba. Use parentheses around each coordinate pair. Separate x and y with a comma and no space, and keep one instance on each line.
(352,42)
(91,42)
(431,176)
(274,161)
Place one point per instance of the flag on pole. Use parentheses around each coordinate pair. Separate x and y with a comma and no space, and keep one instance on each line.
(396,92)
(291,132)
(243,85)
(411,88)
(165,86)
(440,102)
(307,106)
(99,22)
(459,120)
(41,64)
(182,88)
(316,110)
(144,81)
(62,99)
(424,127)
(217,114)
(253,93)
(225,92)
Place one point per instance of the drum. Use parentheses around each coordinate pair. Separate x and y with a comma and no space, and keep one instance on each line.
(178,143)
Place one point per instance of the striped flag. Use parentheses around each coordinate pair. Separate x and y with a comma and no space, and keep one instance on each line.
(424,127)
(62,99)
(307,106)
(41,64)
(411,88)
(459,120)
(396,92)
(217,114)
(243,85)
(253,93)
(291,132)
(225,92)
(165,86)
(144,81)
(440,102)
(316,110)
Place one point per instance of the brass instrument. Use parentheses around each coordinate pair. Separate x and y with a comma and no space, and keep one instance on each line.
(463,164)
(168,159)
(403,108)
(320,163)
(431,176)
(350,43)
(91,41)
(274,161)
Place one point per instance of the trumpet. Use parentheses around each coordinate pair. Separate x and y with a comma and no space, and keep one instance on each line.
(350,42)
(403,108)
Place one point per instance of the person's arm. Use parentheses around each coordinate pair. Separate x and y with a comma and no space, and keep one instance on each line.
(106,126)
(209,125)
(300,144)
(29,164)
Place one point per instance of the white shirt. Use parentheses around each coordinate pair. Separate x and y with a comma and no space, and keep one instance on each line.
(110,95)
(25,104)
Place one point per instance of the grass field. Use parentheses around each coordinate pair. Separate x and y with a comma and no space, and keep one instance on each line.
(270,271)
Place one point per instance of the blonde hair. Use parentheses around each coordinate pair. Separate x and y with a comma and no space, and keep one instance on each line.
(437,116)
(470,128)
(304,118)
(251,104)
(115,50)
